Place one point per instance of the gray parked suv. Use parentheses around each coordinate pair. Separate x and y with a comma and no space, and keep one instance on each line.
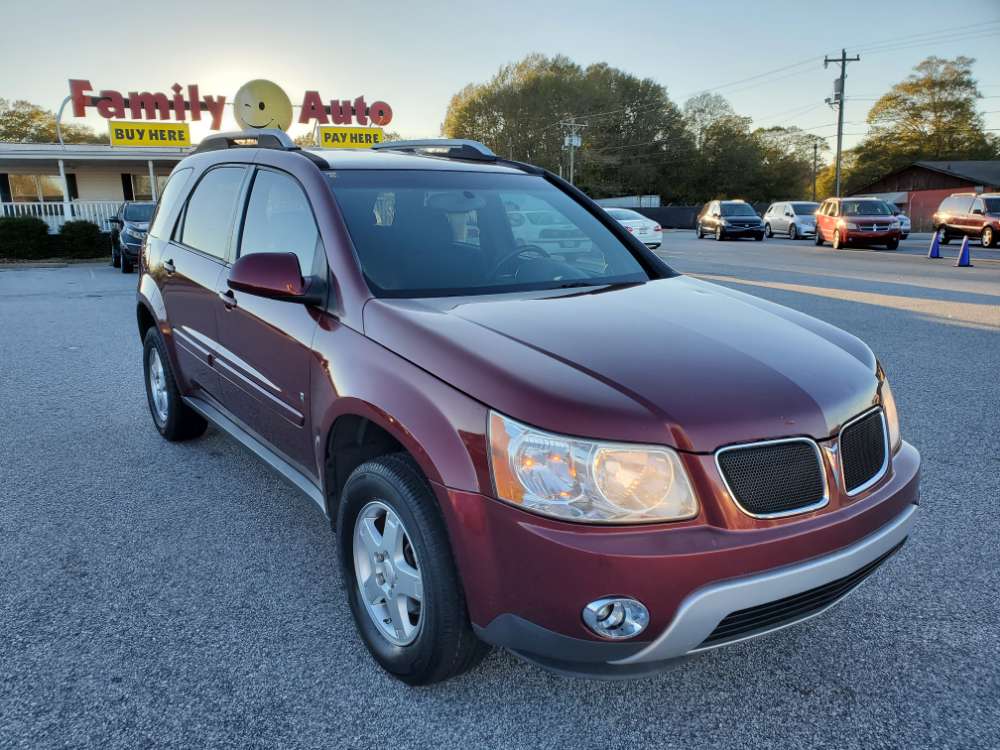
(794,218)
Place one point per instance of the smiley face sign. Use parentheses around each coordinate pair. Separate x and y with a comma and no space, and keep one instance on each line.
(262,104)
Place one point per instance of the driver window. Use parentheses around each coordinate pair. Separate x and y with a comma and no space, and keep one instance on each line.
(279,220)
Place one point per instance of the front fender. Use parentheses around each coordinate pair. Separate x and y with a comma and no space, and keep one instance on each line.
(442,428)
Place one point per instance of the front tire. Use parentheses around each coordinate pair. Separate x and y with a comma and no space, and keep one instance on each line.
(837,242)
(987,237)
(793,233)
(116,258)
(767,230)
(398,566)
(698,232)
(943,234)
(126,264)
(892,244)
(718,234)
(174,419)
(819,238)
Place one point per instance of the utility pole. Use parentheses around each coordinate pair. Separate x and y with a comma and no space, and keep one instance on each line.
(815,152)
(838,99)
(572,140)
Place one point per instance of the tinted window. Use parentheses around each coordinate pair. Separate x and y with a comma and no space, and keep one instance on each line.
(429,247)
(279,220)
(208,221)
(865,208)
(165,208)
(992,205)
(737,209)
(139,211)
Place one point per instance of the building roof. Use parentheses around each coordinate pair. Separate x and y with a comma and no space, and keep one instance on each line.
(979,172)
(49,154)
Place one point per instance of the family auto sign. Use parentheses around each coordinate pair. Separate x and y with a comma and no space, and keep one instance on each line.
(257,104)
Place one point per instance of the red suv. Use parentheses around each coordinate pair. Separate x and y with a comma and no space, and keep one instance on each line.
(970,215)
(856,221)
(579,455)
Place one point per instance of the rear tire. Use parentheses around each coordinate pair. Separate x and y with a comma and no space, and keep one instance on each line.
(988,238)
(793,233)
(174,419)
(440,643)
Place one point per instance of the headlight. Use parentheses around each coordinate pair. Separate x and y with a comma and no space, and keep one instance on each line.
(850,225)
(586,480)
(891,415)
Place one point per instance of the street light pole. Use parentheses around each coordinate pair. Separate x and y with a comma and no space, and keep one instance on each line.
(838,97)
(572,142)
(815,151)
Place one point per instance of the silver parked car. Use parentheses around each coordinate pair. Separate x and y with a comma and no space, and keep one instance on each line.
(794,218)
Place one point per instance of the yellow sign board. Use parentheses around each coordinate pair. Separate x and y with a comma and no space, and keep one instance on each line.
(333,136)
(149,133)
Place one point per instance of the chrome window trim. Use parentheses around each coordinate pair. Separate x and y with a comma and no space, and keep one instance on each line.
(821,503)
(877,477)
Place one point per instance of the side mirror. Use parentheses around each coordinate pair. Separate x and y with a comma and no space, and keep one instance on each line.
(716,214)
(275,276)
(115,220)
(789,213)
(977,211)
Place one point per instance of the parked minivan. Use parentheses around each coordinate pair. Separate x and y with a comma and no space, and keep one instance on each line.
(794,218)
(969,215)
(586,458)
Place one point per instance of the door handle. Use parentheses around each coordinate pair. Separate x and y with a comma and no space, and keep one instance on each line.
(169,267)
(228,298)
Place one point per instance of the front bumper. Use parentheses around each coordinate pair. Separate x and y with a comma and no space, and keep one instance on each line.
(742,231)
(130,251)
(857,235)
(527,579)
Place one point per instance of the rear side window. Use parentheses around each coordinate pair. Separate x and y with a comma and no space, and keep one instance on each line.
(279,220)
(168,199)
(208,222)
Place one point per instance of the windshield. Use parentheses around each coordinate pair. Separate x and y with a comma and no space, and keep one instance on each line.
(436,233)
(865,208)
(738,209)
(623,214)
(804,209)
(992,205)
(139,211)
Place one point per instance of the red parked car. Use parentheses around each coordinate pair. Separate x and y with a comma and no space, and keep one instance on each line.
(584,457)
(857,221)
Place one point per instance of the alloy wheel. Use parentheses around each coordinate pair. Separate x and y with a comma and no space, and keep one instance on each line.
(158,387)
(792,232)
(388,574)
(987,237)
(836,239)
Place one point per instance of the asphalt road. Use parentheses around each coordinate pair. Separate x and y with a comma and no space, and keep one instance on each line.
(160,595)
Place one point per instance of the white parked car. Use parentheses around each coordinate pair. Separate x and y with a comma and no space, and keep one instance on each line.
(645,229)
(549,230)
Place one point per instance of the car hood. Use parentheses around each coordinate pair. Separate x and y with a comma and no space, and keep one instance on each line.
(676,361)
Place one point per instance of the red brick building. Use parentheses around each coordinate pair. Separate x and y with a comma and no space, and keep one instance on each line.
(919,188)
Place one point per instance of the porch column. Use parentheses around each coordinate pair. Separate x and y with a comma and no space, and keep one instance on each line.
(67,208)
(152,180)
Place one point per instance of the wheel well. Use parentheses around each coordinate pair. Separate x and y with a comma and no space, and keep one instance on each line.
(145,319)
(353,440)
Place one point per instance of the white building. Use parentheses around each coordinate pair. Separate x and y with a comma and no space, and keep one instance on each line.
(79,181)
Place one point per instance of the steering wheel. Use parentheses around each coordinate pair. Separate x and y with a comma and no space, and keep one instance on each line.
(539,251)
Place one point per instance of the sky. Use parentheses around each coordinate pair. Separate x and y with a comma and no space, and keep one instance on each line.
(765,57)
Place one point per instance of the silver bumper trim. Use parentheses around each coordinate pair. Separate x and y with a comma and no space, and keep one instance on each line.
(704,609)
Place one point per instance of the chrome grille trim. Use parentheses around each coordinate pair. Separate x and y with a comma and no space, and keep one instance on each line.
(885,463)
(821,503)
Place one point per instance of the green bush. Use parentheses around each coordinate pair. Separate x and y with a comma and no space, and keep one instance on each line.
(81,239)
(24,238)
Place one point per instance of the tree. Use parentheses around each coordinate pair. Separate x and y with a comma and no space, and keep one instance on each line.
(704,110)
(786,156)
(931,115)
(24,122)
(634,133)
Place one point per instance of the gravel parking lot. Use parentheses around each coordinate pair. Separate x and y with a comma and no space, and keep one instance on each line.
(181,595)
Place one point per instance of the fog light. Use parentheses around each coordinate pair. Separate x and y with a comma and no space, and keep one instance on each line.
(616,618)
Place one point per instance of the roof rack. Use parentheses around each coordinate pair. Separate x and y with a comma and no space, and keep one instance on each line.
(270,138)
(451,148)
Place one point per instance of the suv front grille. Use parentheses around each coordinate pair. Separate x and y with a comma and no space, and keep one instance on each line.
(863,451)
(764,617)
(774,478)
